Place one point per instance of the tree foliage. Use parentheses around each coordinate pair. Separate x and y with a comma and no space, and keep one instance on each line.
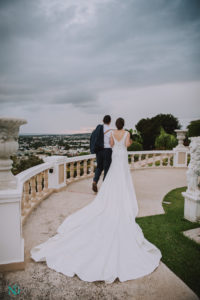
(24,164)
(37,144)
(194,128)
(149,128)
(67,146)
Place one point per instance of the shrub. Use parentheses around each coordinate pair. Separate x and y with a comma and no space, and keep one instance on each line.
(135,146)
(165,141)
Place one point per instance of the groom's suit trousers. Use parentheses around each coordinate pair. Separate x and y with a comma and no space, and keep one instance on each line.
(104,158)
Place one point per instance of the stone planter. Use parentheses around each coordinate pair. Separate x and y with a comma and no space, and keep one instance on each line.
(9,130)
(180,151)
(180,136)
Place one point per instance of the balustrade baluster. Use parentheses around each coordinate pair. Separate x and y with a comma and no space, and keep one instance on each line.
(140,160)
(27,204)
(168,159)
(71,171)
(144,160)
(85,168)
(39,185)
(161,159)
(78,169)
(132,161)
(45,181)
(154,160)
(92,166)
(23,210)
(33,189)
(147,160)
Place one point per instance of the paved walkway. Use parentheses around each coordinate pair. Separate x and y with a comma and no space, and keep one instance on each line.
(38,281)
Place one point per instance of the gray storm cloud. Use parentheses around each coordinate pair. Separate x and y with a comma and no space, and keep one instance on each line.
(70,52)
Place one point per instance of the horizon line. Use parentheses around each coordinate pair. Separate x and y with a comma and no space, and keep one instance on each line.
(54,133)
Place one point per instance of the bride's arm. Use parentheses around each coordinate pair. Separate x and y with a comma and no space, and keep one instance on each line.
(128,140)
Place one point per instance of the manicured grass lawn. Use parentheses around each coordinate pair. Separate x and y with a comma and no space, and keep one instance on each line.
(179,253)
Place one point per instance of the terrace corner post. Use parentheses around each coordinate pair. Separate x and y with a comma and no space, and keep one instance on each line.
(180,151)
(192,194)
(56,174)
(11,240)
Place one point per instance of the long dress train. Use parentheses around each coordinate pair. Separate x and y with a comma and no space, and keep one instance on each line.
(102,241)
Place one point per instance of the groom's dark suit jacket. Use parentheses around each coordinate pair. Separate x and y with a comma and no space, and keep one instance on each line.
(100,137)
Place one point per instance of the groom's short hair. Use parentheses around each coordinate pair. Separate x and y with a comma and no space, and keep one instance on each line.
(107,119)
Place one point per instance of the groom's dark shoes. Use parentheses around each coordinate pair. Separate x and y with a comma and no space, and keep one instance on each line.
(94,187)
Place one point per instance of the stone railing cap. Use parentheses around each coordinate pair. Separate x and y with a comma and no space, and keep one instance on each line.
(55,158)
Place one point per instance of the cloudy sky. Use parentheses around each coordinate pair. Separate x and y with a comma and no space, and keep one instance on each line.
(64,64)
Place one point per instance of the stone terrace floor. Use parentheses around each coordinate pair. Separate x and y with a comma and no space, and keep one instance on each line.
(38,281)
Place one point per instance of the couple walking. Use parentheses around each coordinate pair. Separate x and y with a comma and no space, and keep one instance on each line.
(102,241)
(104,155)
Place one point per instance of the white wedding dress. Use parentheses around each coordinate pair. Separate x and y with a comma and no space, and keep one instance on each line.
(102,241)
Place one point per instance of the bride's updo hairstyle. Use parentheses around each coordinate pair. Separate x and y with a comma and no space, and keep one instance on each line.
(119,123)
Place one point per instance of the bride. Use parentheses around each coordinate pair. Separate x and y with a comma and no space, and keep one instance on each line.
(102,241)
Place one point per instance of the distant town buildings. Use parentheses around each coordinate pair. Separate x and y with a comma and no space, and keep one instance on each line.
(46,145)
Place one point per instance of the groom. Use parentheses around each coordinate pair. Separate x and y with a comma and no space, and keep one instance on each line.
(103,156)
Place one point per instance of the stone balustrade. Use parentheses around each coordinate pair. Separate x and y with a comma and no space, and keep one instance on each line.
(34,183)
(80,167)
(146,159)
